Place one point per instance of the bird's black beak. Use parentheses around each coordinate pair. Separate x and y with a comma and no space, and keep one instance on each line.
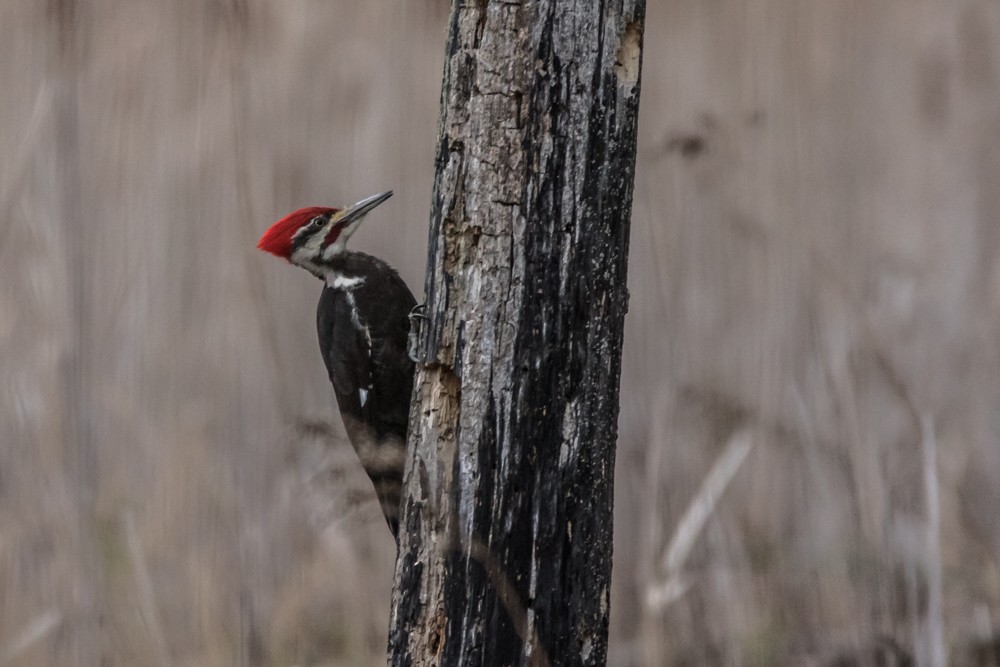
(357,211)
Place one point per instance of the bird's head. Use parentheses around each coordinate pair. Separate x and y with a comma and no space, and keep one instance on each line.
(311,237)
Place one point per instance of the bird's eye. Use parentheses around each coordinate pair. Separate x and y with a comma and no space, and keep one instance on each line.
(317,222)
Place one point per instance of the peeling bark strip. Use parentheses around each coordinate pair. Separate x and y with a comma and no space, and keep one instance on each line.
(505,551)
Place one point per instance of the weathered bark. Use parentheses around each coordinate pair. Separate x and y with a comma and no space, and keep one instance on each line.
(505,547)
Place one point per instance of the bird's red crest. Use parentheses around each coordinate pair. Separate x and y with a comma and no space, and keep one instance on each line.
(277,240)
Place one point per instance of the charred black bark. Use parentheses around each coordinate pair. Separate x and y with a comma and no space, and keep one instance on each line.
(506,555)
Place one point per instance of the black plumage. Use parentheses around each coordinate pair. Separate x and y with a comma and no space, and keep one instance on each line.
(362,322)
(363,325)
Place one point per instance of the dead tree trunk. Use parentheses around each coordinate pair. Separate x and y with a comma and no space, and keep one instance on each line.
(505,547)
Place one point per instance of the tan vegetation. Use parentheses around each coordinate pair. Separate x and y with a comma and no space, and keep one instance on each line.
(809,460)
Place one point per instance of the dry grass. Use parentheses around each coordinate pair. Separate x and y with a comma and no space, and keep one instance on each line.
(815,266)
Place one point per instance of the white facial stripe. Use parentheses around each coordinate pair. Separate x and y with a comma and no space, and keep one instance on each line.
(353,227)
(335,248)
(309,249)
(340,245)
(301,231)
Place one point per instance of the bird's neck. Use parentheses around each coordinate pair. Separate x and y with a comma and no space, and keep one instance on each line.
(341,271)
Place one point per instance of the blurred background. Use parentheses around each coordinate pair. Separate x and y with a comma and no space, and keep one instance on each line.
(809,462)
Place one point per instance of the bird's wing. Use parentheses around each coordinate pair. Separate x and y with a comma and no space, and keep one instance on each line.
(346,344)
(392,375)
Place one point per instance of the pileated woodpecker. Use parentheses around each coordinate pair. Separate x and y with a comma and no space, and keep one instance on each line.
(363,326)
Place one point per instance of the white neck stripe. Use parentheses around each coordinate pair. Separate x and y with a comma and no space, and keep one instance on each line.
(340,281)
